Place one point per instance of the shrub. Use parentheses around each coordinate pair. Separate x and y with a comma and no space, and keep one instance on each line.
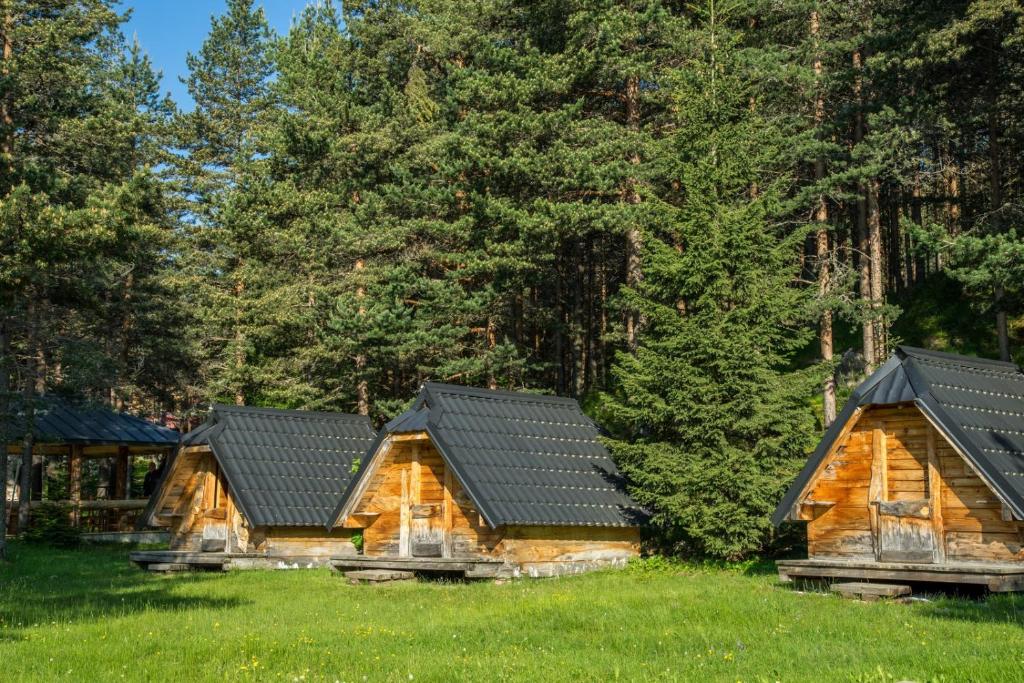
(51,525)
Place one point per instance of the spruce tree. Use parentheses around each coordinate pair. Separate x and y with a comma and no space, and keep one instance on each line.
(711,418)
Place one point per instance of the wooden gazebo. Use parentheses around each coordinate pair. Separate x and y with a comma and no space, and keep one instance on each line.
(78,434)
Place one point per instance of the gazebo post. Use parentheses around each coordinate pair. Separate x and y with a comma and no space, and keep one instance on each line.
(75,483)
(121,473)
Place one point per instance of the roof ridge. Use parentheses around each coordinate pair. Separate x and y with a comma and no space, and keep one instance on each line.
(976,361)
(288,412)
(498,394)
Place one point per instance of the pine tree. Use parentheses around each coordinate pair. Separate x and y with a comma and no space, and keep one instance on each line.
(229,82)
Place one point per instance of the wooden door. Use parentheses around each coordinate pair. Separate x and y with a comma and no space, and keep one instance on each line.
(424,527)
(215,513)
(904,499)
(905,532)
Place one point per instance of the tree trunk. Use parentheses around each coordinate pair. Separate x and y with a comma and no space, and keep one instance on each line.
(28,392)
(877,269)
(362,387)
(239,359)
(822,252)
(634,239)
(863,258)
(6,103)
(5,407)
(124,353)
(996,204)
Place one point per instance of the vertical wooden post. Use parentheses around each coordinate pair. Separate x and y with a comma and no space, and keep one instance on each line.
(416,481)
(446,538)
(935,496)
(229,521)
(405,515)
(878,489)
(121,473)
(75,483)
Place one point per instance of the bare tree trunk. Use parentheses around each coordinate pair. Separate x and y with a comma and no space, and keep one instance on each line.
(822,252)
(122,398)
(877,269)
(634,240)
(5,410)
(362,388)
(492,342)
(863,258)
(239,345)
(6,103)
(996,204)
(29,382)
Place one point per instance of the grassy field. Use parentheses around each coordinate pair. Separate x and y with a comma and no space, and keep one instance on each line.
(88,615)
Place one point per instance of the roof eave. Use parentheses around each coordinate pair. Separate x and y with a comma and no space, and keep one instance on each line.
(955,435)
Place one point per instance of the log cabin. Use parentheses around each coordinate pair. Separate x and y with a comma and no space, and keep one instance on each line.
(921,477)
(489,483)
(253,487)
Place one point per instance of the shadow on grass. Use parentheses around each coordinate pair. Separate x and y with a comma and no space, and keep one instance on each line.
(976,606)
(43,585)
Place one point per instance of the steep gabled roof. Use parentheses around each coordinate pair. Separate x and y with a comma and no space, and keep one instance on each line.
(284,467)
(57,421)
(977,404)
(524,459)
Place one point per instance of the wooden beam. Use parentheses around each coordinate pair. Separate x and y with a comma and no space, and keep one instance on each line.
(416,481)
(369,473)
(449,502)
(105,504)
(412,436)
(935,496)
(825,461)
(878,487)
(404,545)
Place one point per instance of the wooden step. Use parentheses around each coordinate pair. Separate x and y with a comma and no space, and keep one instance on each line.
(870,592)
(168,567)
(378,575)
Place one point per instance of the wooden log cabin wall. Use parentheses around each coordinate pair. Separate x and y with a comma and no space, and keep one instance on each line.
(260,481)
(923,470)
(511,477)
(70,436)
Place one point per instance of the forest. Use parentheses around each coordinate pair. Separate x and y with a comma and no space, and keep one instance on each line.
(706,221)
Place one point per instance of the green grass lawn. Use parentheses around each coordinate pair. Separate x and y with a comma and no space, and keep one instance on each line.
(89,615)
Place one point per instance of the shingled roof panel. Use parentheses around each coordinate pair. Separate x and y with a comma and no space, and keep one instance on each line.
(285,467)
(524,459)
(977,404)
(57,421)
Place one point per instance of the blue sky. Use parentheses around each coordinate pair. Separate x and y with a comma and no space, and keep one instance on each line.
(169,29)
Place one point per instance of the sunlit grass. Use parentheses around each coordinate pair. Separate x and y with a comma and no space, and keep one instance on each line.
(89,615)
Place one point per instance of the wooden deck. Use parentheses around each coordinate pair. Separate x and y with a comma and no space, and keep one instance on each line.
(997,577)
(470,568)
(179,560)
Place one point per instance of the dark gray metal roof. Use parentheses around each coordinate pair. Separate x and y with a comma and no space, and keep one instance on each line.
(61,422)
(284,467)
(977,404)
(524,459)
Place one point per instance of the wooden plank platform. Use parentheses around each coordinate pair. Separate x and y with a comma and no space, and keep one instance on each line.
(223,561)
(870,592)
(997,577)
(378,576)
(473,568)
